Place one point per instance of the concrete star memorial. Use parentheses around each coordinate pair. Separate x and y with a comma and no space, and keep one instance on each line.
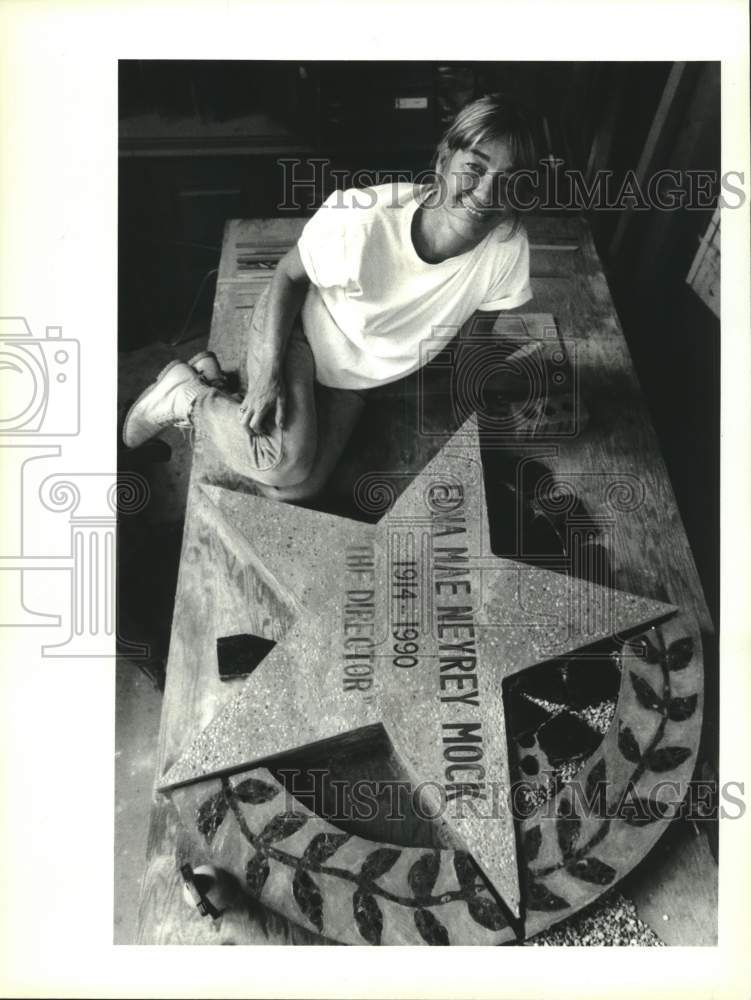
(408,629)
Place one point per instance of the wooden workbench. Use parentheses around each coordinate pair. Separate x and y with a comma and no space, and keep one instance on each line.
(215,596)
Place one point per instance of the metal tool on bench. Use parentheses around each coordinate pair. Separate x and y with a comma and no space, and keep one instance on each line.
(207,888)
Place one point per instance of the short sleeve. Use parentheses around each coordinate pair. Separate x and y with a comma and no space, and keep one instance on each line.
(325,244)
(511,286)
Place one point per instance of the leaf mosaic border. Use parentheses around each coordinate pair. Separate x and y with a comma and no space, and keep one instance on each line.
(357,891)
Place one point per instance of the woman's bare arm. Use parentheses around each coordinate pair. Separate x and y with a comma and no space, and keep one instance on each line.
(265,393)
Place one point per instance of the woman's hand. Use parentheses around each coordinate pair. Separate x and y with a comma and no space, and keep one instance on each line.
(265,396)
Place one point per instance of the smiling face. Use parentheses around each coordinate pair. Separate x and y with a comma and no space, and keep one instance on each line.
(473,191)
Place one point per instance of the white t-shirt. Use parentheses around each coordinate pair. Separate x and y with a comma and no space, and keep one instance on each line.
(375,311)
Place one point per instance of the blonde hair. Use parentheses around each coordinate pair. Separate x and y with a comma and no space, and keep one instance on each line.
(494,116)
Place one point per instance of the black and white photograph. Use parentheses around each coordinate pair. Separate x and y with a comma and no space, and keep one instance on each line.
(426,572)
(382,556)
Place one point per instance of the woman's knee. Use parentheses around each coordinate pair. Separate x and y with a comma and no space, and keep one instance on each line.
(277,458)
(304,489)
(288,475)
(294,465)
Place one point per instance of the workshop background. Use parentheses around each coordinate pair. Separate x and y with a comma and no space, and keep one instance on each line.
(200,143)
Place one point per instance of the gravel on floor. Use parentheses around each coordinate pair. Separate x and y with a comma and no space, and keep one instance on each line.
(612,920)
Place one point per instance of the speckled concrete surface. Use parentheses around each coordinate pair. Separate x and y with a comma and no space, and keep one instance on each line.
(612,920)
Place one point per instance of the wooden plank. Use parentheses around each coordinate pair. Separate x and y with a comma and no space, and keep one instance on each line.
(653,557)
(676,891)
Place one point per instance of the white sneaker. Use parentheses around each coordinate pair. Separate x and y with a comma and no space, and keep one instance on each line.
(165,403)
